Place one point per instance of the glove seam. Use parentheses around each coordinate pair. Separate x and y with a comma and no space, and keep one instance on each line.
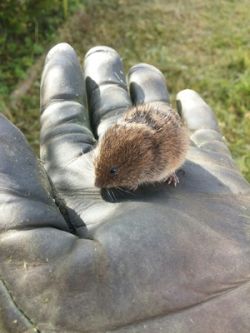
(62,98)
(22,313)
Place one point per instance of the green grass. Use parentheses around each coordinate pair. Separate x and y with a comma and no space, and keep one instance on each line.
(202,45)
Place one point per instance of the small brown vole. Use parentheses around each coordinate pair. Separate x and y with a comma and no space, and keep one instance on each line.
(146,145)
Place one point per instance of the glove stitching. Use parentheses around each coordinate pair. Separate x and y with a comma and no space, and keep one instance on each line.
(18,308)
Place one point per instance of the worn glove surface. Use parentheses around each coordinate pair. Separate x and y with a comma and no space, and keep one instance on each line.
(164,259)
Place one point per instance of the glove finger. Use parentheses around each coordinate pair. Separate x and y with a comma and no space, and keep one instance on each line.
(201,121)
(106,87)
(25,193)
(212,153)
(147,84)
(65,130)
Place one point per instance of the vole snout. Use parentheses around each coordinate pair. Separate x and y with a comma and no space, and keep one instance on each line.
(98,183)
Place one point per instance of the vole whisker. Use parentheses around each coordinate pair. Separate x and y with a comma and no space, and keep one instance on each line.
(126,191)
(110,195)
(113,195)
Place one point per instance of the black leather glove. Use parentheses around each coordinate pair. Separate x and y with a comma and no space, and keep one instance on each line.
(162,259)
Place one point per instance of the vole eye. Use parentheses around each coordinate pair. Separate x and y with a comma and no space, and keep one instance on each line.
(113,171)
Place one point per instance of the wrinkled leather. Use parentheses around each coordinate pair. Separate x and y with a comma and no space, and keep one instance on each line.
(74,259)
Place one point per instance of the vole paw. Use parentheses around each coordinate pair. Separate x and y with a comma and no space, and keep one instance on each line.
(173,179)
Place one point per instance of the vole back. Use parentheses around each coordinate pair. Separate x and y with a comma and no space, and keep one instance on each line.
(146,145)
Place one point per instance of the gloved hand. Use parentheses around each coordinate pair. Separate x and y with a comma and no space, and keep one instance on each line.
(162,259)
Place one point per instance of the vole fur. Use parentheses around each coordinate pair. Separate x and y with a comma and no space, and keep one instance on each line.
(148,144)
